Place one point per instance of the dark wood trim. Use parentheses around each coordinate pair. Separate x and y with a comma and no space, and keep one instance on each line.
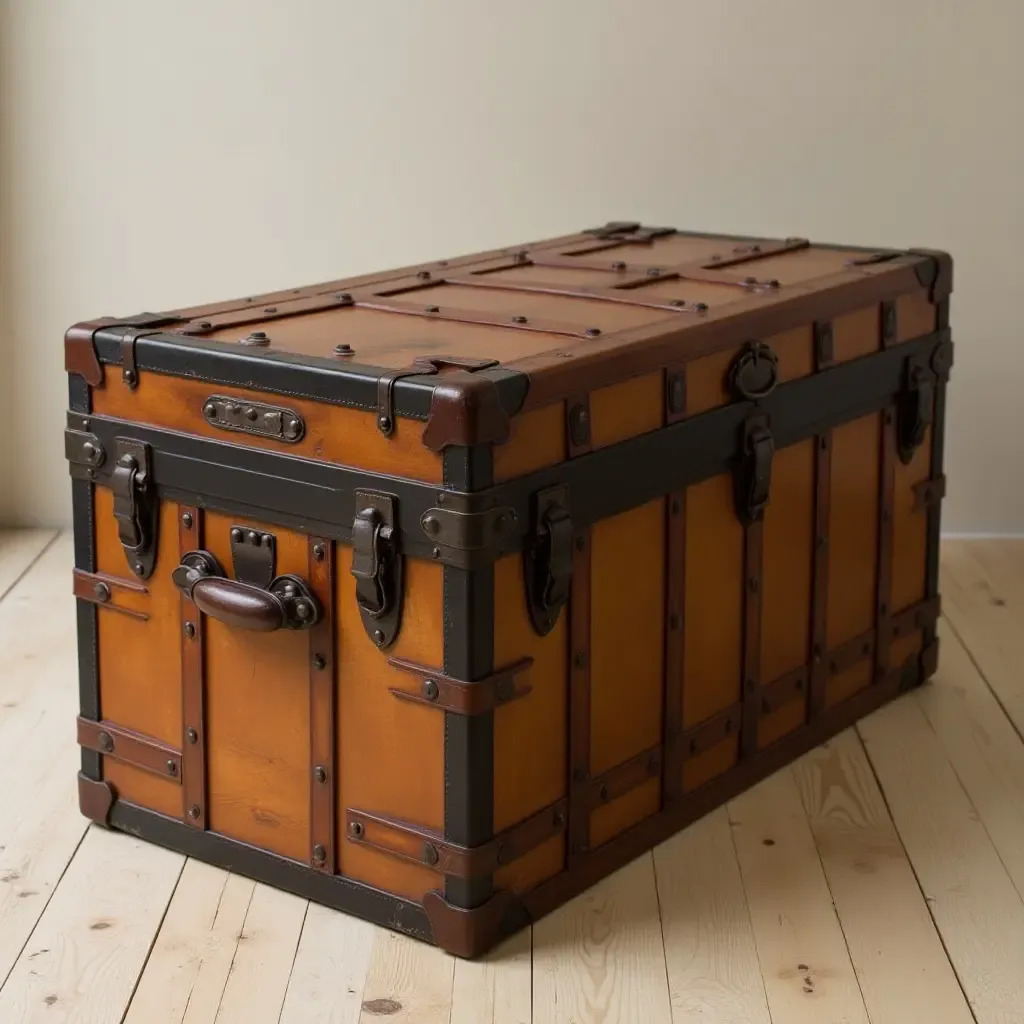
(322,732)
(675,617)
(191,523)
(104,590)
(624,778)
(579,697)
(128,747)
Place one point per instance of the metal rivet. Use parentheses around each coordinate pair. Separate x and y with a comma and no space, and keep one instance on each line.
(129,376)
(558,819)
(355,829)
(319,662)
(172,767)
(267,540)
(774,283)
(435,553)
(430,689)
(750,280)
(191,735)
(678,302)
(318,552)
(251,414)
(236,536)
(270,309)
(505,690)
(755,248)
(302,611)
(190,630)
(194,812)
(210,411)
(423,275)
(105,741)
(344,349)
(431,525)
(89,450)
(320,773)
(653,271)
(254,537)
(519,320)
(205,324)
(139,568)
(592,332)
(186,520)
(378,637)
(433,309)
(603,793)
(580,659)
(257,338)
(319,854)
(618,265)
(344,296)
(430,854)
(384,423)
(102,592)
(701,307)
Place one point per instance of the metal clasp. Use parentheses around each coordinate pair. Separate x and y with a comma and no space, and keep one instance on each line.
(377,566)
(548,569)
(915,405)
(135,507)
(754,473)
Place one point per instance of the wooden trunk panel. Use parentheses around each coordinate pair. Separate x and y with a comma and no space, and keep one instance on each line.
(856,334)
(626,410)
(523,785)
(915,316)
(853,529)
(910,529)
(139,660)
(257,715)
(704,767)
(334,433)
(390,753)
(627,629)
(538,439)
(143,788)
(616,816)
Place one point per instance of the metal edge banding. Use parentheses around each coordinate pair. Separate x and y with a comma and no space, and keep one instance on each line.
(753,556)
(86,614)
(293,876)
(934,527)
(468,598)
(193,683)
(322,731)
(819,600)
(886,513)
(579,697)
(675,619)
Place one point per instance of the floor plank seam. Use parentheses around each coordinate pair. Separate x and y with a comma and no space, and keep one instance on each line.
(152,942)
(234,954)
(56,885)
(661,926)
(28,568)
(913,869)
(295,956)
(981,672)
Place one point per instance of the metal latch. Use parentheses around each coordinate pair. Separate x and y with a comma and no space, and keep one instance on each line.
(914,408)
(754,472)
(136,509)
(548,561)
(377,566)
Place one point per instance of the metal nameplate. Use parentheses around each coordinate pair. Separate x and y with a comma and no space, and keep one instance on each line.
(275,421)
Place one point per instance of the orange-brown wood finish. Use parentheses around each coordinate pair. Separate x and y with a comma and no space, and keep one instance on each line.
(856,334)
(334,433)
(537,440)
(915,315)
(390,752)
(139,661)
(625,410)
(143,788)
(257,715)
(910,529)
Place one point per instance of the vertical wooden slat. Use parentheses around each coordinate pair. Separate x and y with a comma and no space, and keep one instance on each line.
(675,617)
(579,696)
(883,603)
(193,745)
(321,709)
(819,672)
(753,549)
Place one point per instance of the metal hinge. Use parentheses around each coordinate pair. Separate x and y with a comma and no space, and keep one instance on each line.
(465,535)
(548,561)
(628,231)
(136,509)
(754,471)
(377,566)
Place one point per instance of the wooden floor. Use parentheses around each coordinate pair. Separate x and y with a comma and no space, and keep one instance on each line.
(879,879)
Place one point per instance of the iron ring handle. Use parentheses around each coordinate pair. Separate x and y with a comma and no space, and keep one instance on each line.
(287,603)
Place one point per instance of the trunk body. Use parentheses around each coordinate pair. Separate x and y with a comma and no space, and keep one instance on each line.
(437,595)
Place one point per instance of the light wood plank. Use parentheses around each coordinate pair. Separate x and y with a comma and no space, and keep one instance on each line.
(495,989)
(976,908)
(601,957)
(264,954)
(806,968)
(901,967)
(18,550)
(983,598)
(713,970)
(186,973)
(407,981)
(40,826)
(984,749)
(87,951)
(326,985)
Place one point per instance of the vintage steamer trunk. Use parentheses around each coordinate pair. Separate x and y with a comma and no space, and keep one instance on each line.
(436,595)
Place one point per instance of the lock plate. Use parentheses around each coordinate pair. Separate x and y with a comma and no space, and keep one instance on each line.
(136,508)
(274,421)
(377,566)
(753,476)
(548,560)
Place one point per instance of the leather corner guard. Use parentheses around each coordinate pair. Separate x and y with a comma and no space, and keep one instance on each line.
(448,694)
(423,846)
(95,798)
(80,354)
(468,933)
(466,410)
(109,592)
(936,274)
(131,748)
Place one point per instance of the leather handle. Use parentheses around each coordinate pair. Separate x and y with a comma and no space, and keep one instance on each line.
(287,603)
(239,605)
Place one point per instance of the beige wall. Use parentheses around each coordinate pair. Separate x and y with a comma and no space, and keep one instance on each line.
(158,154)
